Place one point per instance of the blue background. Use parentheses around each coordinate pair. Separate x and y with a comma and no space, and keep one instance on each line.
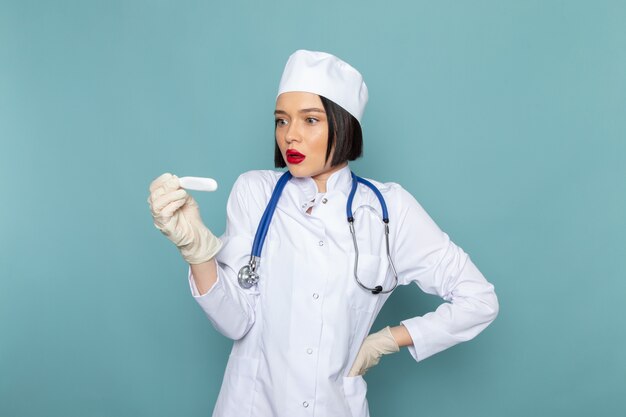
(505,119)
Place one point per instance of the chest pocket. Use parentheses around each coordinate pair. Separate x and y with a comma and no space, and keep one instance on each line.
(371,271)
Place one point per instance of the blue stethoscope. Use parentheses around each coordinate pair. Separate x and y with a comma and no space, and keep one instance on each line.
(247,274)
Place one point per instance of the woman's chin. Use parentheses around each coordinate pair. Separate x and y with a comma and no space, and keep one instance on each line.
(298,171)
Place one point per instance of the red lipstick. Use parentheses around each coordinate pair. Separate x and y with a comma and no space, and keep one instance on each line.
(294,157)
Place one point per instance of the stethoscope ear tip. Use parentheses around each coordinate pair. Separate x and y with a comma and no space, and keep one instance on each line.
(377,289)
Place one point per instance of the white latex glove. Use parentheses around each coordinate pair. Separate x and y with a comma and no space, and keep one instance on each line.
(176,215)
(374,346)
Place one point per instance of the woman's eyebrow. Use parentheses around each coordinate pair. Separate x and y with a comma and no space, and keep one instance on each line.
(312,109)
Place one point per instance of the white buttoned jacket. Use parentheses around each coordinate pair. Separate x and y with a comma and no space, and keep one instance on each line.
(297,332)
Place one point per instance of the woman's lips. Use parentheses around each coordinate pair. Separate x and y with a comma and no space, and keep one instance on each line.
(294,157)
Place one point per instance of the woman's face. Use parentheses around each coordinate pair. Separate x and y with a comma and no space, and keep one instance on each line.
(302,128)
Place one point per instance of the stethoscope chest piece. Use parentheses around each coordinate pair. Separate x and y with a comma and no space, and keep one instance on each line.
(247,276)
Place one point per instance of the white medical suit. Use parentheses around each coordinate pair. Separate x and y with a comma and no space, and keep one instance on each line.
(297,333)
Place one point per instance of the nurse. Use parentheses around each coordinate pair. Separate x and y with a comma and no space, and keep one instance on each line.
(301,343)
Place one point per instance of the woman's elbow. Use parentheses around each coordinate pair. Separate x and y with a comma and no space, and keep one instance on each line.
(234,330)
(492,307)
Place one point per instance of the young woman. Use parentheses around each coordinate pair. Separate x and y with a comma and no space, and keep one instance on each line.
(326,265)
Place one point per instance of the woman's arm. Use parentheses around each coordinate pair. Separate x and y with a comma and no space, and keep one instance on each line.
(204,275)
(213,284)
(425,255)
(402,336)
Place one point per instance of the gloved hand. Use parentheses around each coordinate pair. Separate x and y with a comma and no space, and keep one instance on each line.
(176,215)
(374,346)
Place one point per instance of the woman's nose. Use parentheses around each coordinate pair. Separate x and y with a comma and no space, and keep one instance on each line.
(292,134)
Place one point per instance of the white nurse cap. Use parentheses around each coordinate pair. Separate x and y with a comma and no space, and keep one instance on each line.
(326,75)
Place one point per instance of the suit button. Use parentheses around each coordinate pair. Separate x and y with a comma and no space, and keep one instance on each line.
(309,351)
(316,295)
(305,404)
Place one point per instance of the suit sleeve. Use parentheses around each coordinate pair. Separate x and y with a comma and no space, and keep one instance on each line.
(230,308)
(426,255)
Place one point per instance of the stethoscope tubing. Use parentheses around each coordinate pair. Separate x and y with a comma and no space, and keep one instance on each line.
(248,275)
(355,181)
(264,224)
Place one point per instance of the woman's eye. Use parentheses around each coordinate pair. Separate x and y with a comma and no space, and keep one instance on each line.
(311,120)
(280,122)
